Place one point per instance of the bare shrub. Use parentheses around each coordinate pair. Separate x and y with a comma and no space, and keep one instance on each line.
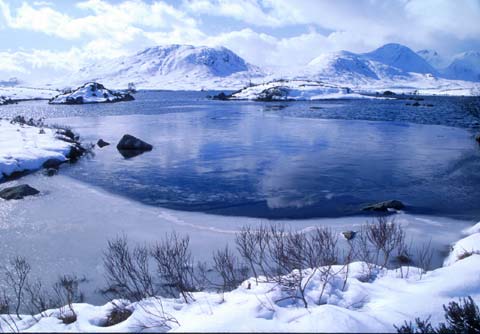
(386,236)
(282,256)
(175,266)
(39,299)
(118,314)
(424,255)
(252,245)
(127,272)
(16,275)
(229,268)
(67,292)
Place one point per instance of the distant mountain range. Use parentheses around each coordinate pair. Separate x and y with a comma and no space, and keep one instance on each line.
(199,67)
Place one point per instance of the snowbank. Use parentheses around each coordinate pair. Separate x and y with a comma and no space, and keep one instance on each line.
(360,306)
(294,90)
(466,246)
(24,147)
(25,93)
(91,92)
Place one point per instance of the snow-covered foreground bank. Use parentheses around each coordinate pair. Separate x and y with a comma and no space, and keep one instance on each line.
(26,148)
(350,303)
(74,215)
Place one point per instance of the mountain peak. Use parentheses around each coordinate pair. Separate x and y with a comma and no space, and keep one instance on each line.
(402,57)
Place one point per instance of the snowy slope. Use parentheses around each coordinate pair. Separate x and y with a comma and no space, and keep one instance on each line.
(174,67)
(26,93)
(91,92)
(433,58)
(24,147)
(401,57)
(392,67)
(465,66)
(349,304)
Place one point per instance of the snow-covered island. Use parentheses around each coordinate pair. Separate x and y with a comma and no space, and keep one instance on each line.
(91,92)
(26,147)
(292,90)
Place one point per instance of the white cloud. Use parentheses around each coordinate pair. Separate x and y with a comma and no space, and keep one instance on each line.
(95,29)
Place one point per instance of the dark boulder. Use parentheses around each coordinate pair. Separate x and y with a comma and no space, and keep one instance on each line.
(76,151)
(102,143)
(222,96)
(18,192)
(388,93)
(52,163)
(349,235)
(129,142)
(477,138)
(384,206)
(51,172)
(416,104)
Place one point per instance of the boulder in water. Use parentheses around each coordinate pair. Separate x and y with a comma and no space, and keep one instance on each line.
(129,142)
(102,143)
(18,192)
(384,206)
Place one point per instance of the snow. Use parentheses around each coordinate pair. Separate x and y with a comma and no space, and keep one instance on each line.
(295,90)
(26,93)
(185,67)
(363,306)
(465,246)
(401,57)
(68,206)
(464,66)
(23,147)
(174,67)
(91,92)
(433,58)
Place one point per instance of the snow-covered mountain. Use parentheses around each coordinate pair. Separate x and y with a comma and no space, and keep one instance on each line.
(390,62)
(401,57)
(465,66)
(433,58)
(174,67)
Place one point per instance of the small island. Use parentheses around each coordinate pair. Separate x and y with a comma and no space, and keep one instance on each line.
(91,92)
(291,90)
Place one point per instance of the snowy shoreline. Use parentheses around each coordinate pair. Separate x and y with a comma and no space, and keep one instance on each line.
(25,148)
(363,306)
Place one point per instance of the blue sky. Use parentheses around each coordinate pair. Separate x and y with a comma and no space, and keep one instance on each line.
(59,34)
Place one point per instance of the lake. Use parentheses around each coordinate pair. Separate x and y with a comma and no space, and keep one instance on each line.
(286,160)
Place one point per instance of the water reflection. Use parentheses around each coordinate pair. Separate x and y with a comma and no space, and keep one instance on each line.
(239,161)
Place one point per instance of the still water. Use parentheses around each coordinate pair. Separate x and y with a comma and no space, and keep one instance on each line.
(281,160)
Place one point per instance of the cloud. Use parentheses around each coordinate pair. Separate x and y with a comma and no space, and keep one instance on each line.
(264,32)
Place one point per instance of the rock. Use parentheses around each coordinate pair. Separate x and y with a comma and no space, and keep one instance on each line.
(477,138)
(416,104)
(101,143)
(349,235)
(52,164)
(129,142)
(384,206)
(222,96)
(388,93)
(18,192)
(76,152)
(51,172)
